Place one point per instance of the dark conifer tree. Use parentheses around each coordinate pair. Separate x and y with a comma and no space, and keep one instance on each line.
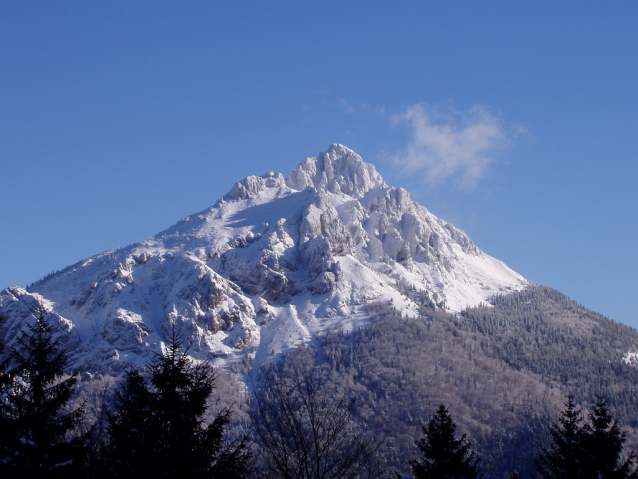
(131,438)
(157,428)
(603,442)
(34,433)
(566,456)
(443,456)
(589,450)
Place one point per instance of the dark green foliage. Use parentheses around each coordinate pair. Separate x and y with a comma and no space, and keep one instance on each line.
(566,456)
(35,434)
(582,449)
(604,443)
(443,456)
(131,438)
(157,429)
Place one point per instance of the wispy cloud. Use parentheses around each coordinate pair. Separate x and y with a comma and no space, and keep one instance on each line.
(451,145)
(346,106)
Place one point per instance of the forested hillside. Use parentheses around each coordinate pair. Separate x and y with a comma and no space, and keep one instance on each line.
(542,331)
(502,369)
(360,399)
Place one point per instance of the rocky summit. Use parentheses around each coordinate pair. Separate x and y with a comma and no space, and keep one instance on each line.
(276,261)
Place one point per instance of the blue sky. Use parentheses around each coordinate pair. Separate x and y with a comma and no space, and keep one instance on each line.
(516,121)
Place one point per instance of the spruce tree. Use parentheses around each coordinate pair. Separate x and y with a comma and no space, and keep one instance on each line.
(34,432)
(603,442)
(443,456)
(566,456)
(157,428)
(589,450)
(131,440)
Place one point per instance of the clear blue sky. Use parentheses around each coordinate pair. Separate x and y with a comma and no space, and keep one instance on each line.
(516,121)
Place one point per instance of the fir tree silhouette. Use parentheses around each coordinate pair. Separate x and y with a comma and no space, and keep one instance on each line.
(589,450)
(443,456)
(603,442)
(35,435)
(566,455)
(157,428)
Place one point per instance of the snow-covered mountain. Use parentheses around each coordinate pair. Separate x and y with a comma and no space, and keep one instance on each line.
(274,262)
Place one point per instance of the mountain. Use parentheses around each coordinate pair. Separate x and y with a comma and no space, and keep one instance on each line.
(336,268)
(274,262)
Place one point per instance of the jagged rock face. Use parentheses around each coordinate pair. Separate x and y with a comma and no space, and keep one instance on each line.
(338,171)
(274,262)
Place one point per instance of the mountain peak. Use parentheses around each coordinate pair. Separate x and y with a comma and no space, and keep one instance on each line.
(337,170)
(275,262)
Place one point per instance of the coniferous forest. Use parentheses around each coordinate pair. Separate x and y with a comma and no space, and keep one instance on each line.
(531,385)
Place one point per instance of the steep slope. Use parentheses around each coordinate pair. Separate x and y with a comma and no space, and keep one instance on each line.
(274,262)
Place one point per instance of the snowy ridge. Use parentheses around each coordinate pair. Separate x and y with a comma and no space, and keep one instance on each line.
(274,262)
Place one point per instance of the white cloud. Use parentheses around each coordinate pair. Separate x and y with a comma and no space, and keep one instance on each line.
(457,145)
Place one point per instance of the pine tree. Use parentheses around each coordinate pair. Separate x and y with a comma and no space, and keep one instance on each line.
(131,437)
(34,433)
(589,450)
(157,429)
(603,442)
(443,456)
(566,456)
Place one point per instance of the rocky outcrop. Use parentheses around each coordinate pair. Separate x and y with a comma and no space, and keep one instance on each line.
(275,261)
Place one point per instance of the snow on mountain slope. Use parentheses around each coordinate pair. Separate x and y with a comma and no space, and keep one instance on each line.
(271,264)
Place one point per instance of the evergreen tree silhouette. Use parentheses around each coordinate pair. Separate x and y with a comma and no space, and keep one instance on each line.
(566,456)
(443,456)
(157,428)
(34,433)
(603,442)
